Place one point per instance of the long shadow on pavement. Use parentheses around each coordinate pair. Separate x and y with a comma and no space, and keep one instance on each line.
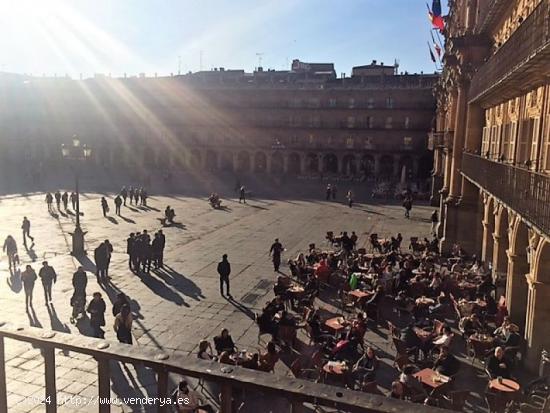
(14,281)
(179,282)
(160,289)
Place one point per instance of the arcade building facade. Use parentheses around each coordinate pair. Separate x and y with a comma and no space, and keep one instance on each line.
(492,152)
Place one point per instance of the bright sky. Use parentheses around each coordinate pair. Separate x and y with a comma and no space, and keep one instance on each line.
(134,36)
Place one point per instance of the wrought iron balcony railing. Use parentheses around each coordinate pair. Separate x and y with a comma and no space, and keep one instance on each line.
(231,378)
(528,46)
(524,191)
(440,140)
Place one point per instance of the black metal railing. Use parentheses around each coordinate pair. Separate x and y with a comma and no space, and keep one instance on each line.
(295,391)
(531,37)
(525,191)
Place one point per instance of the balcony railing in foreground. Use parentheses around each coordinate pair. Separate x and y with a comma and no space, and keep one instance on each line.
(526,192)
(296,391)
(526,44)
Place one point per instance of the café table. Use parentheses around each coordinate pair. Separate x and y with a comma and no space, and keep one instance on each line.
(425,301)
(504,385)
(336,324)
(336,369)
(432,379)
(296,290)
(359,295)
(240,357)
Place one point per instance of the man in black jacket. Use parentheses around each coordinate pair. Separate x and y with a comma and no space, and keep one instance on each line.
(224,269)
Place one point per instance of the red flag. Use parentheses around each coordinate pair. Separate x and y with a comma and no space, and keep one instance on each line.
(436,19)
(437,50)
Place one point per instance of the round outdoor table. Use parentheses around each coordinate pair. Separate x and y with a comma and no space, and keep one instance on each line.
(296,290)
(335,368)
(335,324)
(505,386)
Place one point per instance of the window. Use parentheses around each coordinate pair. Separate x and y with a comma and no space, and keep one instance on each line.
(351,121)
(370,103)
(351,103)
(407,141)
(389,102)
(407,122)
(332,102)
(389,121)
(349,143)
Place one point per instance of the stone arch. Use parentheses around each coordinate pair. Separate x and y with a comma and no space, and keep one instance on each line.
(312,162)
(277,163)
(294,163)
(349,165)
(488,230)
(211,160)
(260,162)
(386,166)
(541,263)
(243,161)
(517,288)
(330,163)
(500,247)
(367,165)
(226,161)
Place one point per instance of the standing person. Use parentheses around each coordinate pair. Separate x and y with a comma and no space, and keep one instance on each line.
(100,258)
(124,194)
(121,299)
(97,308)
(224,269)
(49,277)
(334,192)
(78,299)
(118,203)
(349,196)
(104,206)
(138,251)
(49,200)
(58,199)
(435,221)
(26,227)
(156,250)
(162,238)
(136,196)
(146,253)
(131,195)
(275,252)
(10,248)
(123,325)
(28,277)
(109,254)
(130,241)
(329,192)
(65,200)
(242,194)
(73,200)
(407,204)
(143,197)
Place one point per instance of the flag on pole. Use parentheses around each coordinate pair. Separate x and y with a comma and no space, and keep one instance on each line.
(437,50)
(435,15)
(431,53)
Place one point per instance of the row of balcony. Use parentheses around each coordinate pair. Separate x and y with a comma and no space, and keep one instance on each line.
(519,64)
(525,191)
(440,140)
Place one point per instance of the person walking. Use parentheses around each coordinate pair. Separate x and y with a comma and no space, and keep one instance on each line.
(329,192)
(109,254)
(130,241)
(275,252)
(143,195)
(123,325)
(334,192)
(146,254)
(156,250)
(224,269)
(49,277)
(349,196)
(136,196)
(162,238)
(49,201)
(242,194)
(124,194)
(435,222)
(28,277)
(407,204)
(100,258)
(10,248)
(131,195)
(97,308)
(118,203)
(104,206)
(26,227)
(78,299)
(65,200)
(73,200)
(58,199)
(121,300)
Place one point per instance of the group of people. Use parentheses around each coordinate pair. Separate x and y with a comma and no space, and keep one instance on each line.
(61,198)
(332,191)
(135,195)
(144,252)
(102,258)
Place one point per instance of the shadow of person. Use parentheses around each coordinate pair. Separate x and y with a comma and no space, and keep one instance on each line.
(63,214)
(128,220)
(132,208)
(55,322)
(174,225)
(112,220)
(14,282)
(86,263)
(242,308)
(179,282)
(123,382)
(33,320)
(69,212)
(224,208)
(160,289)
(54,215)
(31,253)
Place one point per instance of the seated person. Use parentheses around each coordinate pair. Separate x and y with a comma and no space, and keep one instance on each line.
(268,359)
(318,335)
(281,286)
(322,272)
(225,358)
(344,348)
(205,351)
(372,305)
(224,342)
(445,338)
(497,365)
(358,327)
(411,383)
(410,338)
(402,301)
(364,369)
(512,337)
(502,332)
(252,363)
(189,401)
(214,200)
(439,308)
(470,325)
(397,391)
(312,286)
(446,363)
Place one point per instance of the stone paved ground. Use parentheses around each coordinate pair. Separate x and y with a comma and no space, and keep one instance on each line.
(181,305)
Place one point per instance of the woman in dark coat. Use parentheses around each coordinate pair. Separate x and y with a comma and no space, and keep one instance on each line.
(97,308)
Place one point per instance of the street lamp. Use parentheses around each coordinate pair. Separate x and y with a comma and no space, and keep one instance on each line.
(77,153)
